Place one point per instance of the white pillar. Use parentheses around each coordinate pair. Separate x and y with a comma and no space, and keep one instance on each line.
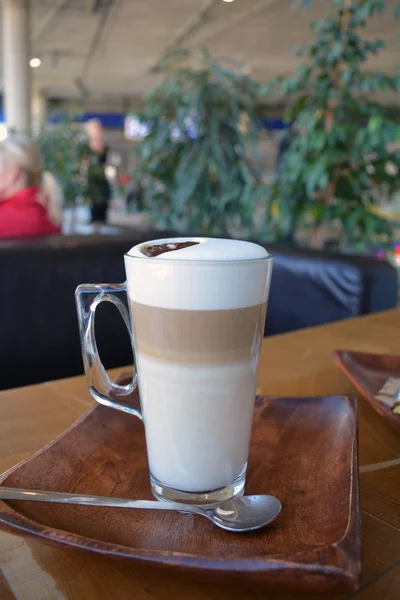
(39,110)
(16,75)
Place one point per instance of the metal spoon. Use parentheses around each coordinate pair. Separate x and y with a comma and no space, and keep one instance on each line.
(239,514)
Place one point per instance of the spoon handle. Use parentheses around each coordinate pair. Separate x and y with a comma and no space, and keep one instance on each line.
(82,499)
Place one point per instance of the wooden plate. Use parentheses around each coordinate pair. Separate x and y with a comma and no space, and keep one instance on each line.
(368,373)
(304,451)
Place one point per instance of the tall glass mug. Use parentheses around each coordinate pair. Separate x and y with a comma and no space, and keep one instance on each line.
(198,311)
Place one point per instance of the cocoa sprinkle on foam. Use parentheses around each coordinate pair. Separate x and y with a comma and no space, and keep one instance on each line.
(156,250)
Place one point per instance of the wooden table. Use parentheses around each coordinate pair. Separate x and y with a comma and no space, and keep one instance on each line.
(297,363)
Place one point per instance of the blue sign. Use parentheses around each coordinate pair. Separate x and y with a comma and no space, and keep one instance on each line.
(274,124)
(108,120)
(117,120)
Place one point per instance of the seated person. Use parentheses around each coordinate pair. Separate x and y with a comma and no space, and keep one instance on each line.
(30,201)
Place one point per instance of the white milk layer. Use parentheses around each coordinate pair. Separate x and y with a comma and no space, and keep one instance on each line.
(197,420)
(213,275)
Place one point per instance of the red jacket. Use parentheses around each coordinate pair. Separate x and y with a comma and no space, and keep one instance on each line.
(22,215)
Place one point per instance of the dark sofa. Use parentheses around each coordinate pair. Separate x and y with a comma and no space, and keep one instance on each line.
(38,324)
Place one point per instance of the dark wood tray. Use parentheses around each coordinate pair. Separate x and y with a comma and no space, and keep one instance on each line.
(368,373)
(304,451)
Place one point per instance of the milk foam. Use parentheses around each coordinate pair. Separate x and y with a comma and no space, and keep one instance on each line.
(205,249)
(185,279)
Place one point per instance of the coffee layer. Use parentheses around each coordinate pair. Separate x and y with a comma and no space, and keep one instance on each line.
(198,336)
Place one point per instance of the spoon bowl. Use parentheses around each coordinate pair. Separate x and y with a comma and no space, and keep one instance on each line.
(246,513)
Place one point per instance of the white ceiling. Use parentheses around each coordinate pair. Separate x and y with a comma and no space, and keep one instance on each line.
(113,52)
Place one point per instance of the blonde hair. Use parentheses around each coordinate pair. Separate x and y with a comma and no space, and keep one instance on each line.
(26,155)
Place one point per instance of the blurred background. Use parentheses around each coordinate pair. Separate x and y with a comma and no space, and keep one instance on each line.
(214,118)
(123,121)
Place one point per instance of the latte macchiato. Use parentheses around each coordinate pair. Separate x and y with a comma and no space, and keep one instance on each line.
(198,309)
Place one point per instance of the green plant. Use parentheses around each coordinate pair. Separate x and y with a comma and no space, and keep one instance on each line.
(61,148)
(340,161)
(199,162)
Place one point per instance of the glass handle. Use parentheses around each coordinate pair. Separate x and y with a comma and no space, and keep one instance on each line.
(102,389)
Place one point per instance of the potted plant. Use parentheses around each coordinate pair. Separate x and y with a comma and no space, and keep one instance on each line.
(340,159)
(199,164)
(61,148)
